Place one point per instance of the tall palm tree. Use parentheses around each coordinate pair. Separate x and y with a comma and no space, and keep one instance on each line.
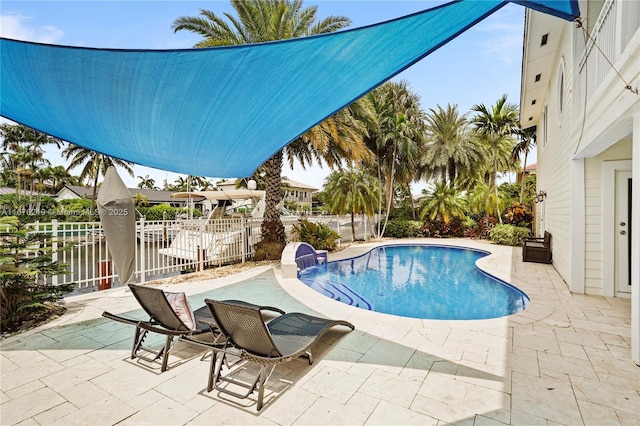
(496,125)
(23,147)
(451,152)
(260,21)
(398,139)
(526,142)
(93,164)
(352,191)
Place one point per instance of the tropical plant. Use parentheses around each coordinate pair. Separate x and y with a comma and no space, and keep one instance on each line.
(518,215)
(526,142)
(260,21)
(402,228)
(397,141)
(444,202)
(93,164)
(146,182)
(485,199)
(25,263)
(140,200)
(352,192)
(451,152)
(509,235)
(319,235)
(23,155)
(496,126)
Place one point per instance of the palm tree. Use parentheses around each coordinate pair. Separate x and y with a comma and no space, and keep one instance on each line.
(146,182)
(444,202)
(59,176)
(93,164)
(260,21)
(451,152)
(398,139)
(526,142)
(140,200)
(483,198)
(496,126)
(352,191)
(23,147)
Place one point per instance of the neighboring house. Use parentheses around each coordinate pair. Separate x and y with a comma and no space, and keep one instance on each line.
(531,169)
(154,197)
(5,190)
(296,192)
(587,113)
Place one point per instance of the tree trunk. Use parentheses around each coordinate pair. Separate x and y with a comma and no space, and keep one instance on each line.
(353,226)
(93,196)
(273,234)
(524,175)
(495,186)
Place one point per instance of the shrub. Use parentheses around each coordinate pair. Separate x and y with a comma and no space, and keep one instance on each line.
(470,228)
(518,215)
(438,229)
(509,235)
(319,235)
(400,228)
(165,212)
(25,263)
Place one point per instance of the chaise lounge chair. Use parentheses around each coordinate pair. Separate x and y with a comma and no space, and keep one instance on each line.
(170,315)
(268,344)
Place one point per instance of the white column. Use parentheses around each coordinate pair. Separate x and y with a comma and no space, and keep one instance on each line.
(635,242)
(577,237)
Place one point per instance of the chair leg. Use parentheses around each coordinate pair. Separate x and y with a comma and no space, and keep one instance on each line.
(213,371)
(137,341)
(165,355)
(262,377)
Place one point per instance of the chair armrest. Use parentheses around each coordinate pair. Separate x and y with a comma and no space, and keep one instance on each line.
(262,308)
(533,239)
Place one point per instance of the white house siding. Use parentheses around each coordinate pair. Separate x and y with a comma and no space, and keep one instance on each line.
(554,177)
(594,226)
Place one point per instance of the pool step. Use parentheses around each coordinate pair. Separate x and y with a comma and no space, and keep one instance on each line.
(338,291)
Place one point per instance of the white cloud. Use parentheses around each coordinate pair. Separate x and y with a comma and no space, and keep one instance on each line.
(17,27)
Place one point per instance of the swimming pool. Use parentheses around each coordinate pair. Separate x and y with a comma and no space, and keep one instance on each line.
(418,281)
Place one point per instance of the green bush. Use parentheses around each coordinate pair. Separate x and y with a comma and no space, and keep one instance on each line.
(25,263)
(518,215)
(319,235)
(508,235)
(400,228)
(165,212)
(438,229)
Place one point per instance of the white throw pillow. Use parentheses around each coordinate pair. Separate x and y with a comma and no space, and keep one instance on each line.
(182,308)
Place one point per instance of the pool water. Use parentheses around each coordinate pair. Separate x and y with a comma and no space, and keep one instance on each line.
(418,281)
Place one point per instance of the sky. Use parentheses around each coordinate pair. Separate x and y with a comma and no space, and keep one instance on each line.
(475,68)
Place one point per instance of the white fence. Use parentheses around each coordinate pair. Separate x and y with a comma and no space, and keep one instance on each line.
(167,247)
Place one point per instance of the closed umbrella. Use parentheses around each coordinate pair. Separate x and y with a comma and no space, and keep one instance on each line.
(118,218)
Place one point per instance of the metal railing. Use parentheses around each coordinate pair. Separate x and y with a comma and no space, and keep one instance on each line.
(169,247)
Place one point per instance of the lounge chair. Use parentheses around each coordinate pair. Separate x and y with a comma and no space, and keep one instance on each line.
(268,344)
(170,315)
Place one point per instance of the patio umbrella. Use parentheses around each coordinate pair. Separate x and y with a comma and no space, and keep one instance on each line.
(118,218)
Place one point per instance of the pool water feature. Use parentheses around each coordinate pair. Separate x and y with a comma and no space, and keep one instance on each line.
(418,281)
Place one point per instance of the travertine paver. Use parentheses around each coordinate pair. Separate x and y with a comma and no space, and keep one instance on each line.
(564,360)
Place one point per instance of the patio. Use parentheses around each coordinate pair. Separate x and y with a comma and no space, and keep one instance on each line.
(564,360)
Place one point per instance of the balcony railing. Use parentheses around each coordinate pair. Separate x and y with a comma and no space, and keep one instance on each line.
(617,22)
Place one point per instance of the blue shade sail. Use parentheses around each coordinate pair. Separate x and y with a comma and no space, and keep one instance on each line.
(220,111)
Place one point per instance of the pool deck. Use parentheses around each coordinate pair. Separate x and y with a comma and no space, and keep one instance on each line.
(565,360)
